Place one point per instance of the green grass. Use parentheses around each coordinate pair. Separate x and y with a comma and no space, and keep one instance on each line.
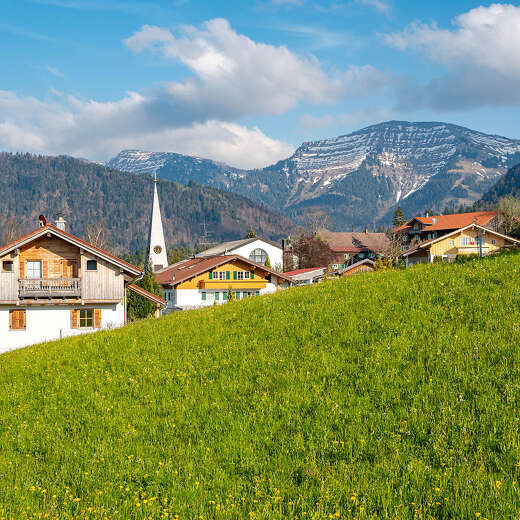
(390,395)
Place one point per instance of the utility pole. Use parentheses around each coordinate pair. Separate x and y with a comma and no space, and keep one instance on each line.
(479,235)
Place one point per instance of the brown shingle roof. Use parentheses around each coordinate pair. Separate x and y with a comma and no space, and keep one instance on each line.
(198,265)
(355,242)
(454,221)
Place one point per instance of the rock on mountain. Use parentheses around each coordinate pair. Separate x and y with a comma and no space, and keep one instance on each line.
(357,178)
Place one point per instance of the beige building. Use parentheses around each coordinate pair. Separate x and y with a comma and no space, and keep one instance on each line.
(471,239)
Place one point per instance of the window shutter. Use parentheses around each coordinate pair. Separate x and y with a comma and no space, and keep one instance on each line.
(22,268)
(252,275)
(224,296)
(210,275)
(203,296)
(74,319)
(97,318)
(11,319)
(44,269)
(258,293)
(22,319)
(227,275)
(217,295)
(234,275)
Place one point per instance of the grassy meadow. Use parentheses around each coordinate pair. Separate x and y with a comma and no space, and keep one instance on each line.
(389,395)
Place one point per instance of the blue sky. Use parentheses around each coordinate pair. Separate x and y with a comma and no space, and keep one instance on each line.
(246,82)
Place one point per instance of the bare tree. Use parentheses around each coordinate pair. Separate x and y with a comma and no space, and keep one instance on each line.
(98,235)
(509,215)
(394,247)
(10,229)
(312,251)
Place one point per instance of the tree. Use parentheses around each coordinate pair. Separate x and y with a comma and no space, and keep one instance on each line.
(10,230)
(267,262)
(398,217)
(312,251)
(509,215)
(98,235)
(251,233)
(138,306)
(230,294)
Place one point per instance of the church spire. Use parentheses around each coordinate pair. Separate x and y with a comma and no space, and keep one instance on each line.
(157,246)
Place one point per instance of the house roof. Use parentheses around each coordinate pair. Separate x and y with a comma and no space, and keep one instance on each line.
(302,271)
(425,244)
(355,242)
(366,261)
(454,221)
(198,265)
(49,228)
(147,294)
(221,249)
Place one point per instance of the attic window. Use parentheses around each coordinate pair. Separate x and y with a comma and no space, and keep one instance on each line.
(91,265)
(8,266)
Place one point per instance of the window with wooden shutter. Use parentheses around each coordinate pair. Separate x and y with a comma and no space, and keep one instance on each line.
(22,268)
(97,318)
(234,275)
(17,319)
(252,275)
(228,275)
(210,275)
(74,319)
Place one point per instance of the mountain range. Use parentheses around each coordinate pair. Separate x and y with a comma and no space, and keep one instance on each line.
(89,194)
(355,179)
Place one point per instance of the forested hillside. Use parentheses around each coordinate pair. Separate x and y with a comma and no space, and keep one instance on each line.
(509,184)
(92,195)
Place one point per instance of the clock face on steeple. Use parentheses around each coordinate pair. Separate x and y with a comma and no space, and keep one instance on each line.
(157,250)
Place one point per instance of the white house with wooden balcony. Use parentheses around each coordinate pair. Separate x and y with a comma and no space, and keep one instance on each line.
(54,285)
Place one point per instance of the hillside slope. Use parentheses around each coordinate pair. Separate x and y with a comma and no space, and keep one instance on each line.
(358,398)
(509,184)
(89,193)
(357,178)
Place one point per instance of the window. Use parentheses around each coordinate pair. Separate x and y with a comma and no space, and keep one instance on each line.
(224,295)
(219,275)
(91,265)
(493,242)
(17,319)
(34,269)
(259,256)
(243,275)
(465,241)
(8,266)
(452,243)
(86,318)
(203,296)
(217,296)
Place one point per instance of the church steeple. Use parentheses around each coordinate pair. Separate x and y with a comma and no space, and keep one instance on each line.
(157,246)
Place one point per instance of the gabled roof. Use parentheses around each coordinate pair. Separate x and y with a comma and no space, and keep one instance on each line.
(365,261)
(302,271)
(453,221)
(427,243)
(49,228)
(355,242)
(221,249)
(147,294)
(194,266)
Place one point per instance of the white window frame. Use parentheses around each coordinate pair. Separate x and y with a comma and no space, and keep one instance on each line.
(465,241)
(219,275)
(452,243)
(31,271)
(493,241)
(243,275)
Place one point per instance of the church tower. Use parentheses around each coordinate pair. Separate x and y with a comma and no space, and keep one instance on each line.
(157,246)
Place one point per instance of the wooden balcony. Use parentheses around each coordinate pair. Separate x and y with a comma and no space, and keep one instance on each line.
(49,287)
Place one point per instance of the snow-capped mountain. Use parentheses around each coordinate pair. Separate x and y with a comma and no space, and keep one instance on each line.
(358,178)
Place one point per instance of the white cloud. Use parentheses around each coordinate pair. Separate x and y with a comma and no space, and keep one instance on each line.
(378,5)
(234,76)
(54,71)
(481,53)
(94,130)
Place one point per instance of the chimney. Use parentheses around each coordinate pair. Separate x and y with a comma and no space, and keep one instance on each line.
(60,222)
(366,229)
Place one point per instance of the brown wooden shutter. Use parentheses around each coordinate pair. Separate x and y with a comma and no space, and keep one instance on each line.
(45,270)
(22,319)
(22,268)
(97,318)
(74,319)
(11,319)
(17,319)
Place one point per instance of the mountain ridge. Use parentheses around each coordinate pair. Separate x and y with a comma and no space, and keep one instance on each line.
(357,178)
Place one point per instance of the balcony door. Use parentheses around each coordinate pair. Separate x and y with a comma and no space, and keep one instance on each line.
(34,269)
(69,269)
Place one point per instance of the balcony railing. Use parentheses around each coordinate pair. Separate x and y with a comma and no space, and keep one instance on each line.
(49,287)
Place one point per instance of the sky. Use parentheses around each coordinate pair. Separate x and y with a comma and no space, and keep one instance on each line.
(247,81)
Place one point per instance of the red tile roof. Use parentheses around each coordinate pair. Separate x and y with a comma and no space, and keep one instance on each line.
(198,265)
(66,236)
(147,294)
(454,221)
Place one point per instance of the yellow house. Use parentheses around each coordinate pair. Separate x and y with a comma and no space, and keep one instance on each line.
(202,281)
(472,239)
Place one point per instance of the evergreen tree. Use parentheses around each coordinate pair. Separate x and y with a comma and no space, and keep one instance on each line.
(398,217)
(268,262)
(251,233)
(138,306)
(230,295)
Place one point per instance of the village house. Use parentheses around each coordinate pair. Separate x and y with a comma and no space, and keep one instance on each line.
(472,239)
(203,281)
(258,250)
(420,229)
(53,285)
(350,248)
(306,276)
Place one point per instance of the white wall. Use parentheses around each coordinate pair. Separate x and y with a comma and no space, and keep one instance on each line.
(275,253)
(46,323)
